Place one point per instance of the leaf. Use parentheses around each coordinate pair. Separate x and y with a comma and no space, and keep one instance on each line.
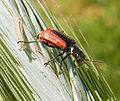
(23,74)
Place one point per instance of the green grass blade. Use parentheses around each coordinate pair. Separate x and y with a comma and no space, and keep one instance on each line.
(23,74)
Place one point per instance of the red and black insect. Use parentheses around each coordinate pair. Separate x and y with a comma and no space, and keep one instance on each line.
(57,39)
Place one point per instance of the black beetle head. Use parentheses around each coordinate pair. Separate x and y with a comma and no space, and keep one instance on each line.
(77,53)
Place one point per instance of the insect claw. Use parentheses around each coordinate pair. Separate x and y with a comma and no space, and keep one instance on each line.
(46,63)
(21,42)
(18,42)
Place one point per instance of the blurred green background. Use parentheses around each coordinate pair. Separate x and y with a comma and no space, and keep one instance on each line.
(99,20)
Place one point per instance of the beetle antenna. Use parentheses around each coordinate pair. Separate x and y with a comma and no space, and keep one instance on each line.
(99,61)
(88,65)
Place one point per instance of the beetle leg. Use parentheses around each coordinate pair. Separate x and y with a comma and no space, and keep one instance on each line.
(74,61)
(62,62)
(22,44)
(64,59)
(54,58)
(26,42)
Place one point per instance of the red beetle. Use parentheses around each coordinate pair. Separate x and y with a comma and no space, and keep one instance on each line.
(57,39)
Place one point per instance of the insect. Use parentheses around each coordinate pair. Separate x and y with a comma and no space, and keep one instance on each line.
(57,39)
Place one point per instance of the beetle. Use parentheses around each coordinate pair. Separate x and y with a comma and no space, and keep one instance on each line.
(57,39)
